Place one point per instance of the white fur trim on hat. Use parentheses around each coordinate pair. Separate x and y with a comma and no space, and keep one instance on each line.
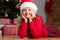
(29,4)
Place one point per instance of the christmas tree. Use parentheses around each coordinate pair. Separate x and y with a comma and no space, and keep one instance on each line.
(10,8)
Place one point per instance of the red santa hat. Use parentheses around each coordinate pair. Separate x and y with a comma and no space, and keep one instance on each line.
(28,3)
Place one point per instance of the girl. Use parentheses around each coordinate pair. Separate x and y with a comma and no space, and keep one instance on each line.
(30,24)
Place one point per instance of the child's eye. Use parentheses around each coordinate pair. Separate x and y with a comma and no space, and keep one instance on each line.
(29,9)
(23,10)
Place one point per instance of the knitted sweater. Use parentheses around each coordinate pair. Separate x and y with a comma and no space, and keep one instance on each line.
(36,27)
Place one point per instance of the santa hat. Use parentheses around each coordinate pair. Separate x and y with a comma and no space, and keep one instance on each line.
(28,3)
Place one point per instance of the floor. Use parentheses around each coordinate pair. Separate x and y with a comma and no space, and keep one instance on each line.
(13,37)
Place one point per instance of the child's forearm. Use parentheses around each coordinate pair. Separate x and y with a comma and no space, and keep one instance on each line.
(34,30)
(23,30)
(36,27)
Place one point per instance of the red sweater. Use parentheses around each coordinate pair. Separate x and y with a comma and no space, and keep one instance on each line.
(36,29)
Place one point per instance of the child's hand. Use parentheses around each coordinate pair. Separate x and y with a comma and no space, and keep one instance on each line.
(24,18)
(32,16)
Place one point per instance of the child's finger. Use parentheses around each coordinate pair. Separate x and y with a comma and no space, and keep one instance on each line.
(23,17)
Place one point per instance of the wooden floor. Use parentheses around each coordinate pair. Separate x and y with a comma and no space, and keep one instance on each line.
(13,37)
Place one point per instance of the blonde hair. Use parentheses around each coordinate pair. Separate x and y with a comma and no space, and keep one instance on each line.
(19,21)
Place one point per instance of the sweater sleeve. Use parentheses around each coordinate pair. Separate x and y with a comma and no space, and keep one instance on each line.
(45,32)
(22,32)
(36,28)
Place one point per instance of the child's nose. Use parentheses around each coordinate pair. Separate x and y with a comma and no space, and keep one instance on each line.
(27,12)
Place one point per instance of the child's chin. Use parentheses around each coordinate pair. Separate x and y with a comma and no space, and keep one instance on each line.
(28,16)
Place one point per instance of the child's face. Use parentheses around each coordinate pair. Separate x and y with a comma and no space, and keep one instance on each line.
(28,12)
